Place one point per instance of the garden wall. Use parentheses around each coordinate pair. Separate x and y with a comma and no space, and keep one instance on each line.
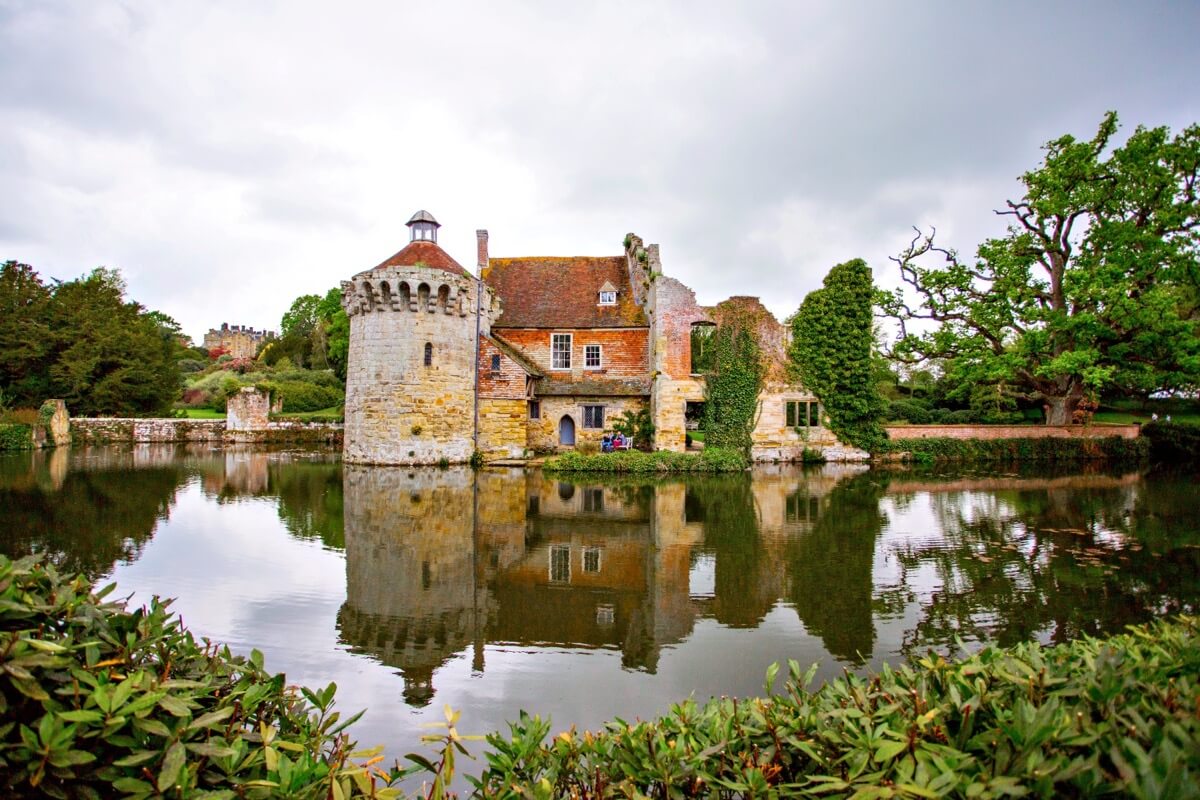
(1012,431)
(128,431)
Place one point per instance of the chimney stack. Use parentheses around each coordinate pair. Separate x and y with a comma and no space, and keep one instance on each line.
(481,241)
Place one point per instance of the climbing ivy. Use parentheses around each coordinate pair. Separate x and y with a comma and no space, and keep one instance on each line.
(831,354)
(733,382)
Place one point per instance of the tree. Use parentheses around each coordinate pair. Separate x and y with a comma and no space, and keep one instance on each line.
(24,335)
(302,317)
(831,353)
(1095,287)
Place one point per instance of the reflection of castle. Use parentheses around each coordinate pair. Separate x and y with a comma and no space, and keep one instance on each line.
(439,563)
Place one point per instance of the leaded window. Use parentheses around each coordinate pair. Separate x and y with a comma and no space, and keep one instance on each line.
(593,417)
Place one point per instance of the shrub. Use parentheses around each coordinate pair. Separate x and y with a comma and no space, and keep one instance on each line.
(1112,448)
(1091,717)
(1173,442)
(909,411)
(189,365)
(960,416)
(637,426)
(15,436)
(709,460)
(101,701)
(587,447)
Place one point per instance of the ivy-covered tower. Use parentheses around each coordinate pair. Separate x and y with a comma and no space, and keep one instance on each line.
(410,378)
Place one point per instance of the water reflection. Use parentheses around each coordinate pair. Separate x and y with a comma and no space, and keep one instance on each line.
(661,586)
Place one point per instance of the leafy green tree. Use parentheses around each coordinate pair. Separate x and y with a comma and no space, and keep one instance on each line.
(336,330)
(109,356)
(24,335)
(1094,287)
(302,317)
(832,338)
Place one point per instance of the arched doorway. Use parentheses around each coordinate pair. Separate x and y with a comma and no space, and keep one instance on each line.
(566,431)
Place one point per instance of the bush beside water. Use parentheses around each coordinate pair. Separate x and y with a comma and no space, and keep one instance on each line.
(709,460)
(1113,448)
(100,701)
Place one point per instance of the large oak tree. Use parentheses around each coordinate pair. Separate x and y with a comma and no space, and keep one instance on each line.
(1095,288)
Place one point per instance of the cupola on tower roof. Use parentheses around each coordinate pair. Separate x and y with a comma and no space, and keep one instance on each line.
(423,227)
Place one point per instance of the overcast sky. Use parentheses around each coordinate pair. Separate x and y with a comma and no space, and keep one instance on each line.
(229,156)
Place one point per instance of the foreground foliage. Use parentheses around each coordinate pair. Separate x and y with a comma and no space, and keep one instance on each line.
(99,701)
(711,459)
(1086,718)
(1173,442)
(832,337)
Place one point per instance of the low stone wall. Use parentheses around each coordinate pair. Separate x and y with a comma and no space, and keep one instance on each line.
(127,431)
(1013,431)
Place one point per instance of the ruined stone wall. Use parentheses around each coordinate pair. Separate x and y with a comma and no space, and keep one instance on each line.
(104,430)
(624,352)
(502,431)
(672,310)
(248,410)
(543,432)
(398,409)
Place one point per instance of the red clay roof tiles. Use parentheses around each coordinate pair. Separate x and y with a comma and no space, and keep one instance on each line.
(427,254)
(553,292)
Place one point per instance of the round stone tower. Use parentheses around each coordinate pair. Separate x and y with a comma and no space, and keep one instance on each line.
(410,377)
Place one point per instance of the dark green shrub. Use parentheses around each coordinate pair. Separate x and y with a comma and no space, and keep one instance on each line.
(15,436)
(909,411)
(101,701)
(1091,717)
(713,459)
(637,426)
(1173,442)
(1112,448)
(960,416)
(188,365)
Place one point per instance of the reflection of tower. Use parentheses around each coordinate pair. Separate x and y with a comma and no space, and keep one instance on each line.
(410,378)
(411,598)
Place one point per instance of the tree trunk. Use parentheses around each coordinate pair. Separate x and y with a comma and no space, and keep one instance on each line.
(1061,409)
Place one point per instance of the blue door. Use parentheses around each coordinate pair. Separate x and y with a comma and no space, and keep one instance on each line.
(566,431)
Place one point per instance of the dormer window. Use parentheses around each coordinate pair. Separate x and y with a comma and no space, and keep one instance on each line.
(608,294)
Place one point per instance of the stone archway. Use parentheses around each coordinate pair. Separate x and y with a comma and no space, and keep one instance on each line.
(566,431)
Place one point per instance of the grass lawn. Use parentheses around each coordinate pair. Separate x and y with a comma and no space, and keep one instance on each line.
(697,436)
(1191,418)
(331,414)
(203,413)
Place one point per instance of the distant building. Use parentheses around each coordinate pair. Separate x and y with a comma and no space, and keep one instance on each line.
(238,341)
(541,354)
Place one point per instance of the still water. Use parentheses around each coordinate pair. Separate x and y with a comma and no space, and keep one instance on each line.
(585,599)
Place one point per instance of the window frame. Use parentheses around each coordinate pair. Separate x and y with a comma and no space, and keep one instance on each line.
(570,337)
(495,362)
(611,302)
(535,409)
(589,407)
(559,550)
(794,418)
(597,553)
(428,357)
(599,356)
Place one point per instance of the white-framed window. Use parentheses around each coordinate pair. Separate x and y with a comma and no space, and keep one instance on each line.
(591,356)
(593,417)
(591,559)
(560,563)
(608,298)
(560,351)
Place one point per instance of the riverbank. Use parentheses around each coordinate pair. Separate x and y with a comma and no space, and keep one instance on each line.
(1087,717)
(708,460)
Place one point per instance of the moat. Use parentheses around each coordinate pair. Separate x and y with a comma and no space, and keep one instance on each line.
(591,598)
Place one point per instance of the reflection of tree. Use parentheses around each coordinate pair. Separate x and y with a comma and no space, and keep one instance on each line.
(96,519)
(310,500)
(1062,562)
(831,579)
(725,506)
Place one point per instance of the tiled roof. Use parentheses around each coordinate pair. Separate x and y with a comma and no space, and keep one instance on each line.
(516,355)
(427,254)
(594,387)
(550,292)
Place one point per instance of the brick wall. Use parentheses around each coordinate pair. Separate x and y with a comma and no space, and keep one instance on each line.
(624,352)
(508,382)
(1012,431)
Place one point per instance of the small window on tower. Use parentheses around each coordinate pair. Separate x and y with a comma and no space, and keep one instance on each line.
(428,354)
(608,298)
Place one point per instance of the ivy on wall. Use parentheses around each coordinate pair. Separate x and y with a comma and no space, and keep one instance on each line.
(733,382)
(831,354)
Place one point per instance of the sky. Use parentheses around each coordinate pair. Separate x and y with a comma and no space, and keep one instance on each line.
(228,157)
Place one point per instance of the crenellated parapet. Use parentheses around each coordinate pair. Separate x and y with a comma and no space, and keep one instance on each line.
(412,290)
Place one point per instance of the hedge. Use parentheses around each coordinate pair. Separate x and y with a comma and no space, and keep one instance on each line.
(1173,442)
(1112,448)
(98,700)
(16,436)
(1086,718)
(711,459)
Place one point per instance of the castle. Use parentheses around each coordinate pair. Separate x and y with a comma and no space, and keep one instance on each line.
(537,354)
(238,341)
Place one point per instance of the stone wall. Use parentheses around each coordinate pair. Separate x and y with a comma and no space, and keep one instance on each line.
(1013,431)
(543,432)
(400,410)
(103,430)
(502,427)
(248,410)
